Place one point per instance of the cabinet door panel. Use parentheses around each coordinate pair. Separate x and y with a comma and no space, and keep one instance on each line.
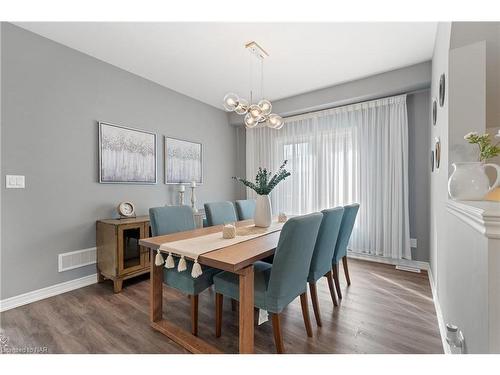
(130,258)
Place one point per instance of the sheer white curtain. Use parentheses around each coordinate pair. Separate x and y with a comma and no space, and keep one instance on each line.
(356,153)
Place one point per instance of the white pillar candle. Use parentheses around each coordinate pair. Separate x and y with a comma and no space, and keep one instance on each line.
(182,188)
(193,184)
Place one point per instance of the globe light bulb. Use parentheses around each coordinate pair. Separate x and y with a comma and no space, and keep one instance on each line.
(275,121)
(263,118)
(242,107)
(266,106)
(255,111)
(231,101)
(250,121)
(280,124)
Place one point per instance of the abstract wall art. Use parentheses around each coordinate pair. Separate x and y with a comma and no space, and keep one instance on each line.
(183,161)
(126,155)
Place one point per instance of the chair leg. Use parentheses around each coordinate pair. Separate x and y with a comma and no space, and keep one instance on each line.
(305,313)
(335,273)
(329,278)
(346,270)
(194,315)
(234,304)
(219,299)
(314,299)
(278,338)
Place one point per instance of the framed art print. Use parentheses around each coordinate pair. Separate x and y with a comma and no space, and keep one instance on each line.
(183,161)
(126,155)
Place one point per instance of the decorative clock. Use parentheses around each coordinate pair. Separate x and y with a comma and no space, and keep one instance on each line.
(126,209)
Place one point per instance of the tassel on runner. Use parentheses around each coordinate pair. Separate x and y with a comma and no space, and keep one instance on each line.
(182,264)
(196,271)
(170,261)
(158,258)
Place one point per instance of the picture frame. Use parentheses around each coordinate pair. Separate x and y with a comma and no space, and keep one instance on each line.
(183,161)
(437,152)
(126,155)
(434,111)
(442,89)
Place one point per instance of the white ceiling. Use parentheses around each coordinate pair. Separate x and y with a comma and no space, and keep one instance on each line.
(207,60)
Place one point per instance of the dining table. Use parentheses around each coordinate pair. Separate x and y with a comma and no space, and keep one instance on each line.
(237,258)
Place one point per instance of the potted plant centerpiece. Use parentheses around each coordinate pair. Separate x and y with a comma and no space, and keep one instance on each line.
(469,180)
(263,186)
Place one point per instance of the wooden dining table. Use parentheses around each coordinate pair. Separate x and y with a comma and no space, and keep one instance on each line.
(238,259)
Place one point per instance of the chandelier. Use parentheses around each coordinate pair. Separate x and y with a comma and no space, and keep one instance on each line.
(255,113)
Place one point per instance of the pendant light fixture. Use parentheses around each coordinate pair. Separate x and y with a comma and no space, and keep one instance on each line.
(255,113)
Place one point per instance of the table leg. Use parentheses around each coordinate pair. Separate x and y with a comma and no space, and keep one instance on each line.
(246,314)
(155,291)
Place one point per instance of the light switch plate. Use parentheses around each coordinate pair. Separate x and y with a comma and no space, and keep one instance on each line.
(413,243)
(14,182)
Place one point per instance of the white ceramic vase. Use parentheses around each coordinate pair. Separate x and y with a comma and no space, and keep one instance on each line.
(469,181)
(262,217)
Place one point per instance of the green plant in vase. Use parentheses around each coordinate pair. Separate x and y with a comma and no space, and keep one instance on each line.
(487,150)
(263,185)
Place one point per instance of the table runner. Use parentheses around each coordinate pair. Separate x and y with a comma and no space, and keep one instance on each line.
(193,247)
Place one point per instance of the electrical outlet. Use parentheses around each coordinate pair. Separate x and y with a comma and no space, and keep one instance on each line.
(14,182)
(413,243)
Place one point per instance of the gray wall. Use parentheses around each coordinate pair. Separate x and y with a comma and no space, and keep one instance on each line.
(52,98)
(464,33)
(415,77)
(419,146)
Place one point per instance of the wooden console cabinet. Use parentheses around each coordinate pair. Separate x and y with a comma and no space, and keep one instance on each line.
(119,255)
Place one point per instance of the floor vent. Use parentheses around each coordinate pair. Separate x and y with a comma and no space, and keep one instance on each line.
(409,269)
(76,259)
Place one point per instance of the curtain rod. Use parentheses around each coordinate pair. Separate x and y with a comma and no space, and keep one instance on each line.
(356,102)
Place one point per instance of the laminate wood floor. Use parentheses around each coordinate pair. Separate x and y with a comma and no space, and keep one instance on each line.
(383,311)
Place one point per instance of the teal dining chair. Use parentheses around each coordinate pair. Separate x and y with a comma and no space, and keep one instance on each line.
(346,227)
(322,255)
(172,219)
(277,285)
(220,212)
(245,208)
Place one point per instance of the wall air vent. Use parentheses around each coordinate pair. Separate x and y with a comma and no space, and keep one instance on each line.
(76,259)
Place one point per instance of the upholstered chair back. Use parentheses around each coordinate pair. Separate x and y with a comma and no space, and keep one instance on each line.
(348,220)
(220,212)
(245,209)
(292,258)
(325,243)
(171,219)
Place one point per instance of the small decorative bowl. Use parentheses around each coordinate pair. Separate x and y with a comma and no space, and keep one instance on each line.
(282,217)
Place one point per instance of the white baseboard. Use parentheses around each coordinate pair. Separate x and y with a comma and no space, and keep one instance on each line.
(395,262)
(415,264)
(439,313)
(50,291)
